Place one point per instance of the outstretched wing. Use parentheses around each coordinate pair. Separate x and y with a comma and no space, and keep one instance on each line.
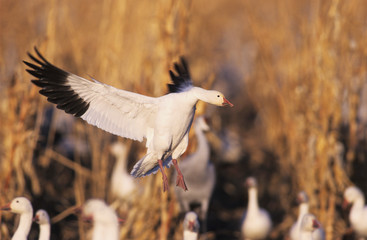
(181,81)
(120,112)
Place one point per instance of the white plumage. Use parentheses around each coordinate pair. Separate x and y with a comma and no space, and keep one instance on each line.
(104,218)
(163,121)
(199,172)
(43,220)
(191,226)
(22,206)
(308,225)
(122,183)
(358,212)
(256,222)
(318,234)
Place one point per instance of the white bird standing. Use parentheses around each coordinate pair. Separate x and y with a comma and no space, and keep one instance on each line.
(43,220)
(199,172)
(318,234)
(191,226)
(22,206)
(164,121)
(309,224)
(104,218)
(358,212)
(122,183)
(256,222)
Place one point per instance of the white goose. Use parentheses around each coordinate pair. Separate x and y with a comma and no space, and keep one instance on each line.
(164,121)
(191,226)
(104,218)
(199,172)
(308,225)
(22,206)
(358,212)
(43,220)
(318,234)
(256,221)
(122,183)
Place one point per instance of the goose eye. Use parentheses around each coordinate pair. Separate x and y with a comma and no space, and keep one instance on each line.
(218,96)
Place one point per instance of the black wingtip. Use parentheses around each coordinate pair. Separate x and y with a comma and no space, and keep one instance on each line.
(54,84)
(181,77)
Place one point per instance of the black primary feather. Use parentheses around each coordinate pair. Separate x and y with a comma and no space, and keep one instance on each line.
(54,84)
(182,81)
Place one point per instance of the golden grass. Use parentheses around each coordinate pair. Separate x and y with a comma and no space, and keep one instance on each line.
(302,64)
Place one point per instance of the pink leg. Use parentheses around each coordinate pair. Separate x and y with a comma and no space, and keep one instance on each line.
(180,178)
(164,176)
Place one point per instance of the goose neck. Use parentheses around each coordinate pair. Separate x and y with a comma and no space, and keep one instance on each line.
(253,205)
(45,231)
(24,227)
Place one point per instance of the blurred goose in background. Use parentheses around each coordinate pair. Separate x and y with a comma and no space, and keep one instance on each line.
(43,220)
(22,206)
(164,121)
(256,221)
(358,211)
(122,183)
(199,172)
(302,199)
(104,219)
(308,225)
(191,226)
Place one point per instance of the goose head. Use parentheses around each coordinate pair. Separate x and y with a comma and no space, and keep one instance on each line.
(302,197)
(352,194)
(119,149)
(309,223)
(96,210)
(191,222)
(41,217)
(217,98)
(251,182)
(19,205)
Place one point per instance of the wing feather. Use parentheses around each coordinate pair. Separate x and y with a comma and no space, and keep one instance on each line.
(120,112)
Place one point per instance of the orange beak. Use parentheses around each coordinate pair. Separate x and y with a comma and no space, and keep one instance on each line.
(35,219)
(226,102)
(6,207)
(315,224)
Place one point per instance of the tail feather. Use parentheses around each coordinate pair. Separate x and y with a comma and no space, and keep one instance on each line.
(148,165)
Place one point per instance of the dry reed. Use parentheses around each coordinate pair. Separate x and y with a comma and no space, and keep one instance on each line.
(298,66)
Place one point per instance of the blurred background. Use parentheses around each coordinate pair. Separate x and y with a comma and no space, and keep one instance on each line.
(295,71)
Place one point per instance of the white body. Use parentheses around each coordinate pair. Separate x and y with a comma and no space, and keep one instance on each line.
(257,222)
(43,220)
(358,212)
(199,173)
(318,234)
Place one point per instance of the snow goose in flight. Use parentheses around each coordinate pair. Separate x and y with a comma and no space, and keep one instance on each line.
(199,173)
(104,219)
(308,225)
(358,211)
(163,121)
(43,220)
(318,234)
(22,206)
(191,226)
(256,222)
